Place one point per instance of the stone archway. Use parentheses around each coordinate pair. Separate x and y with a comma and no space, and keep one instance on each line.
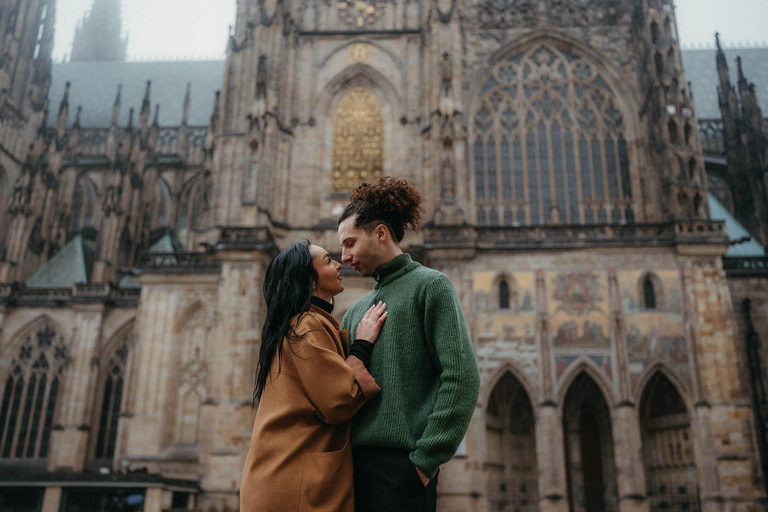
(668,456)
(511,448)
(590,467)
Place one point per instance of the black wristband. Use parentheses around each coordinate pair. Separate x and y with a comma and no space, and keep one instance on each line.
(362,350)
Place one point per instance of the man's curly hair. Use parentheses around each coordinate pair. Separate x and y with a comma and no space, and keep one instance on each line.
(395,203)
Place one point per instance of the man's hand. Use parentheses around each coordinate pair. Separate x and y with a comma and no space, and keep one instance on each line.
(424,479)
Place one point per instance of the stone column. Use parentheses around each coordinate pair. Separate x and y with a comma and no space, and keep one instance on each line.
(627,438)
(151,412)
(156,499)
(723,423)
(550,459)
(628,456)
(51,499)
(69,443)
(235,344)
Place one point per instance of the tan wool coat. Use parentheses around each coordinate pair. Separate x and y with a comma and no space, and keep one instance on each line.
(300,457)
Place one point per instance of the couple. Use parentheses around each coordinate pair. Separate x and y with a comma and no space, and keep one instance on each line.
(412,395)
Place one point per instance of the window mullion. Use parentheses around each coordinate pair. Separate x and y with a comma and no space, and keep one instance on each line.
(19,416)
(4,427)
(41,420)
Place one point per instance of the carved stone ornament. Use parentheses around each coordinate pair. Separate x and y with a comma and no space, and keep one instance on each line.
(360,13)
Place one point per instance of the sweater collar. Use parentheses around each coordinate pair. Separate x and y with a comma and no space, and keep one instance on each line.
(393,269)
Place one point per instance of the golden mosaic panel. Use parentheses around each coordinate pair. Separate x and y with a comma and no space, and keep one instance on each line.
(358,140)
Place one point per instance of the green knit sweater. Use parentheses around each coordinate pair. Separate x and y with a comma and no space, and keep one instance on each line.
(424,362)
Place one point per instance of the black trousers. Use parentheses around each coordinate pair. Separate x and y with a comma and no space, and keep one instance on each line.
(387,481)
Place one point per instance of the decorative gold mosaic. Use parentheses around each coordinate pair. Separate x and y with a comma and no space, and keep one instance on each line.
(358,140)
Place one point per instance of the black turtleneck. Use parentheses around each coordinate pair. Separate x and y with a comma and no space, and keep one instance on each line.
(322,304)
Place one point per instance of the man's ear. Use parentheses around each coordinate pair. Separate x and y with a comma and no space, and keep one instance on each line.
(381,232)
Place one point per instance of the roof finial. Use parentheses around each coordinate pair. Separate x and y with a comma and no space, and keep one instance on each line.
(156,120)
(740,70)
(145,104)
(717,41)
(130,119)
(216,112)
(77,116)
(65,99)
(116,107)
(61,122)
(187,105)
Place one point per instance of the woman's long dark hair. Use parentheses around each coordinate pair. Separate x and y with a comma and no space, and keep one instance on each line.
(288,285)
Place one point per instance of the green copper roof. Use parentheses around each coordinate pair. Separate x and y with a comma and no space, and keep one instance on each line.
(166,244)
(70,266)
(735,231)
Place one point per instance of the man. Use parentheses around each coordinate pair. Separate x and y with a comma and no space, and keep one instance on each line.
(423,360)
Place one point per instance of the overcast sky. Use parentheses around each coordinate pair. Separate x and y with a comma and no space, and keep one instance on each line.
(182,29)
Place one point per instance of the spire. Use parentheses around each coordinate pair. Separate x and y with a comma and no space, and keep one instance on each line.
(740,73)
(130,119)
(99,34)
(145,107)
(156,118)
(61,122)
(77,116)
(216,112)
(187,105)
(116,107)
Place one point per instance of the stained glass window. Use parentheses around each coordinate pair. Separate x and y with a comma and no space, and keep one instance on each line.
(110,403)
(548,144)
(29,395)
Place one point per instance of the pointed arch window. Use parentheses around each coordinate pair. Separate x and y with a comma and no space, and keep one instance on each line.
(503,295)
(358,140)
(651,292)
(114,385)
(188,209)
(548,144)
(29,395)
(162,205)
(84,204)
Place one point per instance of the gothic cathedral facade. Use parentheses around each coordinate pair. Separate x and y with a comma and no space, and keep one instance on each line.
(556,142)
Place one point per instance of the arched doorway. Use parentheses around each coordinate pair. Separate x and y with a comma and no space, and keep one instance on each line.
(510,448)
(670,468)
(590,468)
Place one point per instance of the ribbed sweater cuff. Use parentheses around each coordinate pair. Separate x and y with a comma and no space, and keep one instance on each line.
(426,464)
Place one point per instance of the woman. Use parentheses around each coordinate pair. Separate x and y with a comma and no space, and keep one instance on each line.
(308,387)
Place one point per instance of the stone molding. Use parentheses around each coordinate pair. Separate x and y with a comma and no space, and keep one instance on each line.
(664,234)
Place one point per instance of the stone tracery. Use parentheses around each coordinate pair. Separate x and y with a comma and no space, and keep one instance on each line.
(30,393)
(548,143)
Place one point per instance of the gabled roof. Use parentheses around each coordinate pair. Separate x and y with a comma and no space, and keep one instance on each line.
(70,266)
(94,87)
(701,71)
(735,231)
(165,245)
